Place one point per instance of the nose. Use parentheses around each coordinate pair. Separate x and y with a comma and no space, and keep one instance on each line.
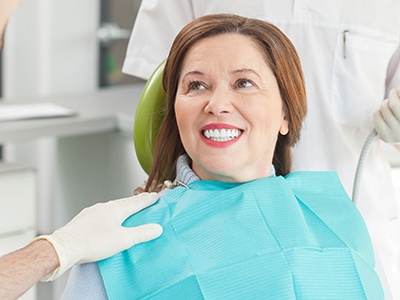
(219,102)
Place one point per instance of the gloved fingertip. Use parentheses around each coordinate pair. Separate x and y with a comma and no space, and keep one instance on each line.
(158,229)
(154,230)
(146,195)
(394,92)
(146,232)
(142,200)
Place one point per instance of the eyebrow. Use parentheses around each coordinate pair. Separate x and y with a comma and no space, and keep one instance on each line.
(242,71)
(239,71)
(192,73)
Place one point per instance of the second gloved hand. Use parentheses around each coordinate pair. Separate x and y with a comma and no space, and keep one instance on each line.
(96,232)
(387,118)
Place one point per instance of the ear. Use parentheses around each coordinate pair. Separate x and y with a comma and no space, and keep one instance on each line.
(284,129)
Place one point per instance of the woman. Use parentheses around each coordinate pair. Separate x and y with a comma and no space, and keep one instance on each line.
(235,102)
(351,61)
(288,74)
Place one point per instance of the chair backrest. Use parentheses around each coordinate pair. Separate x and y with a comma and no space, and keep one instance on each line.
(149,114)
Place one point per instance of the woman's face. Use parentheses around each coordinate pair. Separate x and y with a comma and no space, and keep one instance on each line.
(229,109)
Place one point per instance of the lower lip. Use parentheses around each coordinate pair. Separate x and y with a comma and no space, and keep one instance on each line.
(215,144)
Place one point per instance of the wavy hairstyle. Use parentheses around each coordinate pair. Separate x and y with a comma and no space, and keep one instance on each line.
(281,57)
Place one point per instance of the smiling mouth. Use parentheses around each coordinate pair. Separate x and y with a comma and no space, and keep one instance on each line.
(222,135)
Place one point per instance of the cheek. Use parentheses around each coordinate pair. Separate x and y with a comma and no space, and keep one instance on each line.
(268,118)
(188,110)
(184,117)
(179,113)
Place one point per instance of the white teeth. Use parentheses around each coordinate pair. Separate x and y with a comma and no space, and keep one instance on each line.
(216,133)
(222,135)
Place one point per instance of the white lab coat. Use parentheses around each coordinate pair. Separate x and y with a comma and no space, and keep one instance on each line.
(350,52)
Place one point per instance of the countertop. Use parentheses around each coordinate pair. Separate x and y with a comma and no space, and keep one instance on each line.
(108,109)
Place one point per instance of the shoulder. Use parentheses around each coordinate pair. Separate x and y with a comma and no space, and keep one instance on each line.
(323,194)
(322,191)
(320,182)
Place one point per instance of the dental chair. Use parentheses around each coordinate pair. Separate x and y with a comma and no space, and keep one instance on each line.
(149,114)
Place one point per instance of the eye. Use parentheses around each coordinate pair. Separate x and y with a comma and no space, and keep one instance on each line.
(244,83)
(196,85)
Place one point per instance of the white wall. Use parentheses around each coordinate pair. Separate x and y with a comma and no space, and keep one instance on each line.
(51,48)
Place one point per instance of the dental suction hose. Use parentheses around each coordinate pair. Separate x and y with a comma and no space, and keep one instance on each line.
(361,162)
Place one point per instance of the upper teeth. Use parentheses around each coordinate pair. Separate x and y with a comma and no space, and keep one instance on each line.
(222,135)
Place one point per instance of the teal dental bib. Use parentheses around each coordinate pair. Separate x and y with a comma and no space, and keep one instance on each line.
(298,237)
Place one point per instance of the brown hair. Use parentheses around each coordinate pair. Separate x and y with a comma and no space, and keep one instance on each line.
(280,56)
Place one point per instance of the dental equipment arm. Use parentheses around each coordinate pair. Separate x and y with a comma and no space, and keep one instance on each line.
(94,234)
(360,165)
(387,128)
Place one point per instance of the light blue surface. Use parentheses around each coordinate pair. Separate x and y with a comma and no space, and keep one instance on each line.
(298,237)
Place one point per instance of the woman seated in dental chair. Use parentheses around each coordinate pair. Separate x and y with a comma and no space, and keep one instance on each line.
(237,223)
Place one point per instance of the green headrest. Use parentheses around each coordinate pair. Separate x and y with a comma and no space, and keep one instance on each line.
(149,114)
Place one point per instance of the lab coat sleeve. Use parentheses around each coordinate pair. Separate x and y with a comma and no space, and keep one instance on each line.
(393,73)
(85,282)
(157,23)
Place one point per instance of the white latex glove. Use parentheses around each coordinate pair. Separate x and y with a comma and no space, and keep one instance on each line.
(387,118)
(96,232)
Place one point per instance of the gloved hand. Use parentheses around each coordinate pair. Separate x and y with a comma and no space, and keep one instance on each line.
(96,232)
(387,118)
